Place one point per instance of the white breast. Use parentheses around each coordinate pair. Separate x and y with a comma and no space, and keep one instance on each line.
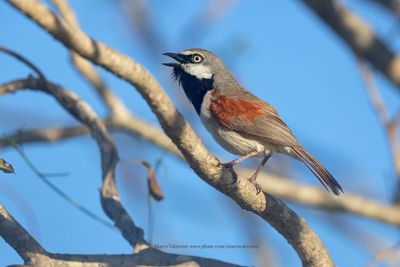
(228,139)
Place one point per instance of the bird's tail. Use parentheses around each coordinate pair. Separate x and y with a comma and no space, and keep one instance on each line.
(319,171)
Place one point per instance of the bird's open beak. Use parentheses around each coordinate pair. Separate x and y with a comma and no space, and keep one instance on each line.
(177,57)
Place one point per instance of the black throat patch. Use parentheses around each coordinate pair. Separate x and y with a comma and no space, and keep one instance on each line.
(195,89)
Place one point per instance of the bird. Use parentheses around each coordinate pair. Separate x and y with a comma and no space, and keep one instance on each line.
(239,121)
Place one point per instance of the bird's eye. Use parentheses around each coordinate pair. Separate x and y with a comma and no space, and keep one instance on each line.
(197,58)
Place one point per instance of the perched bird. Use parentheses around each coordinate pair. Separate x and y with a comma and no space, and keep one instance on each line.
(240,122)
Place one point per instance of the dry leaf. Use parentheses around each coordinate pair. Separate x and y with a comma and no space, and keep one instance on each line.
(6,167)
(154,187)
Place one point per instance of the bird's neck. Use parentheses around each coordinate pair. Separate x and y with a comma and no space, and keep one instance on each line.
(195,89)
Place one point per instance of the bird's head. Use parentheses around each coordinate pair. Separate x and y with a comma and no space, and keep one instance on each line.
(198,71)
(200,64)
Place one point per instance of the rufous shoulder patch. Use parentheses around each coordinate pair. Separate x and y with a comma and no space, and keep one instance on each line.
(226,109)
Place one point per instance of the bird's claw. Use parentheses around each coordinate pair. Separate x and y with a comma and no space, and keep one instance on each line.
(252,179)
(256,185)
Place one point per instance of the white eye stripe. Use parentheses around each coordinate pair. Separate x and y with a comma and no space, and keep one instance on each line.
(187,52)
(197,70)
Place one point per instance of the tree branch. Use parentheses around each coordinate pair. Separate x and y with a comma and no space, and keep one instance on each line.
(391,5)
(130,125)
(109,157)
(389,125)
(306,243)
(34,255)
(48,135)
(19,239)
(359,36)
(312,196)
(85,68)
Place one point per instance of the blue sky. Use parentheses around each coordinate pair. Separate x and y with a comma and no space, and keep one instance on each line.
(277,49)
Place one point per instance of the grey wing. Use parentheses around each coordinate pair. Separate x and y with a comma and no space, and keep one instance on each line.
(266,124)
(268,127)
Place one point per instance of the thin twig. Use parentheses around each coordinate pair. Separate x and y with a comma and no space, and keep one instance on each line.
(389,125)
(61,193)
(23,60)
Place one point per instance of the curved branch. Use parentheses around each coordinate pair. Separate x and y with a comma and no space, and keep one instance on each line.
(306,243)
(23,60)
(359,36)
(312,196)
(19,239)
(34,255)
(86,69)
(109,157)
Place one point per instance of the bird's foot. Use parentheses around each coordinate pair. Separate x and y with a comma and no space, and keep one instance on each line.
(252,180)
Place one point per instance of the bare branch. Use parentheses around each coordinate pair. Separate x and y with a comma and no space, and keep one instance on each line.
(391,5)
(138,13)
(34,255)
(306,243)
(23,60)
(312,196)
(19,239)
(44,178)
(388,125)
(359,36)
(373,93)
(109,157)
(148,257)
(85,68)
(387,255)
(47,135)
(127,124)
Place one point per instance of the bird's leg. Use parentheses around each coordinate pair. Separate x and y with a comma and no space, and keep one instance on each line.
(253,178)
(236,161)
